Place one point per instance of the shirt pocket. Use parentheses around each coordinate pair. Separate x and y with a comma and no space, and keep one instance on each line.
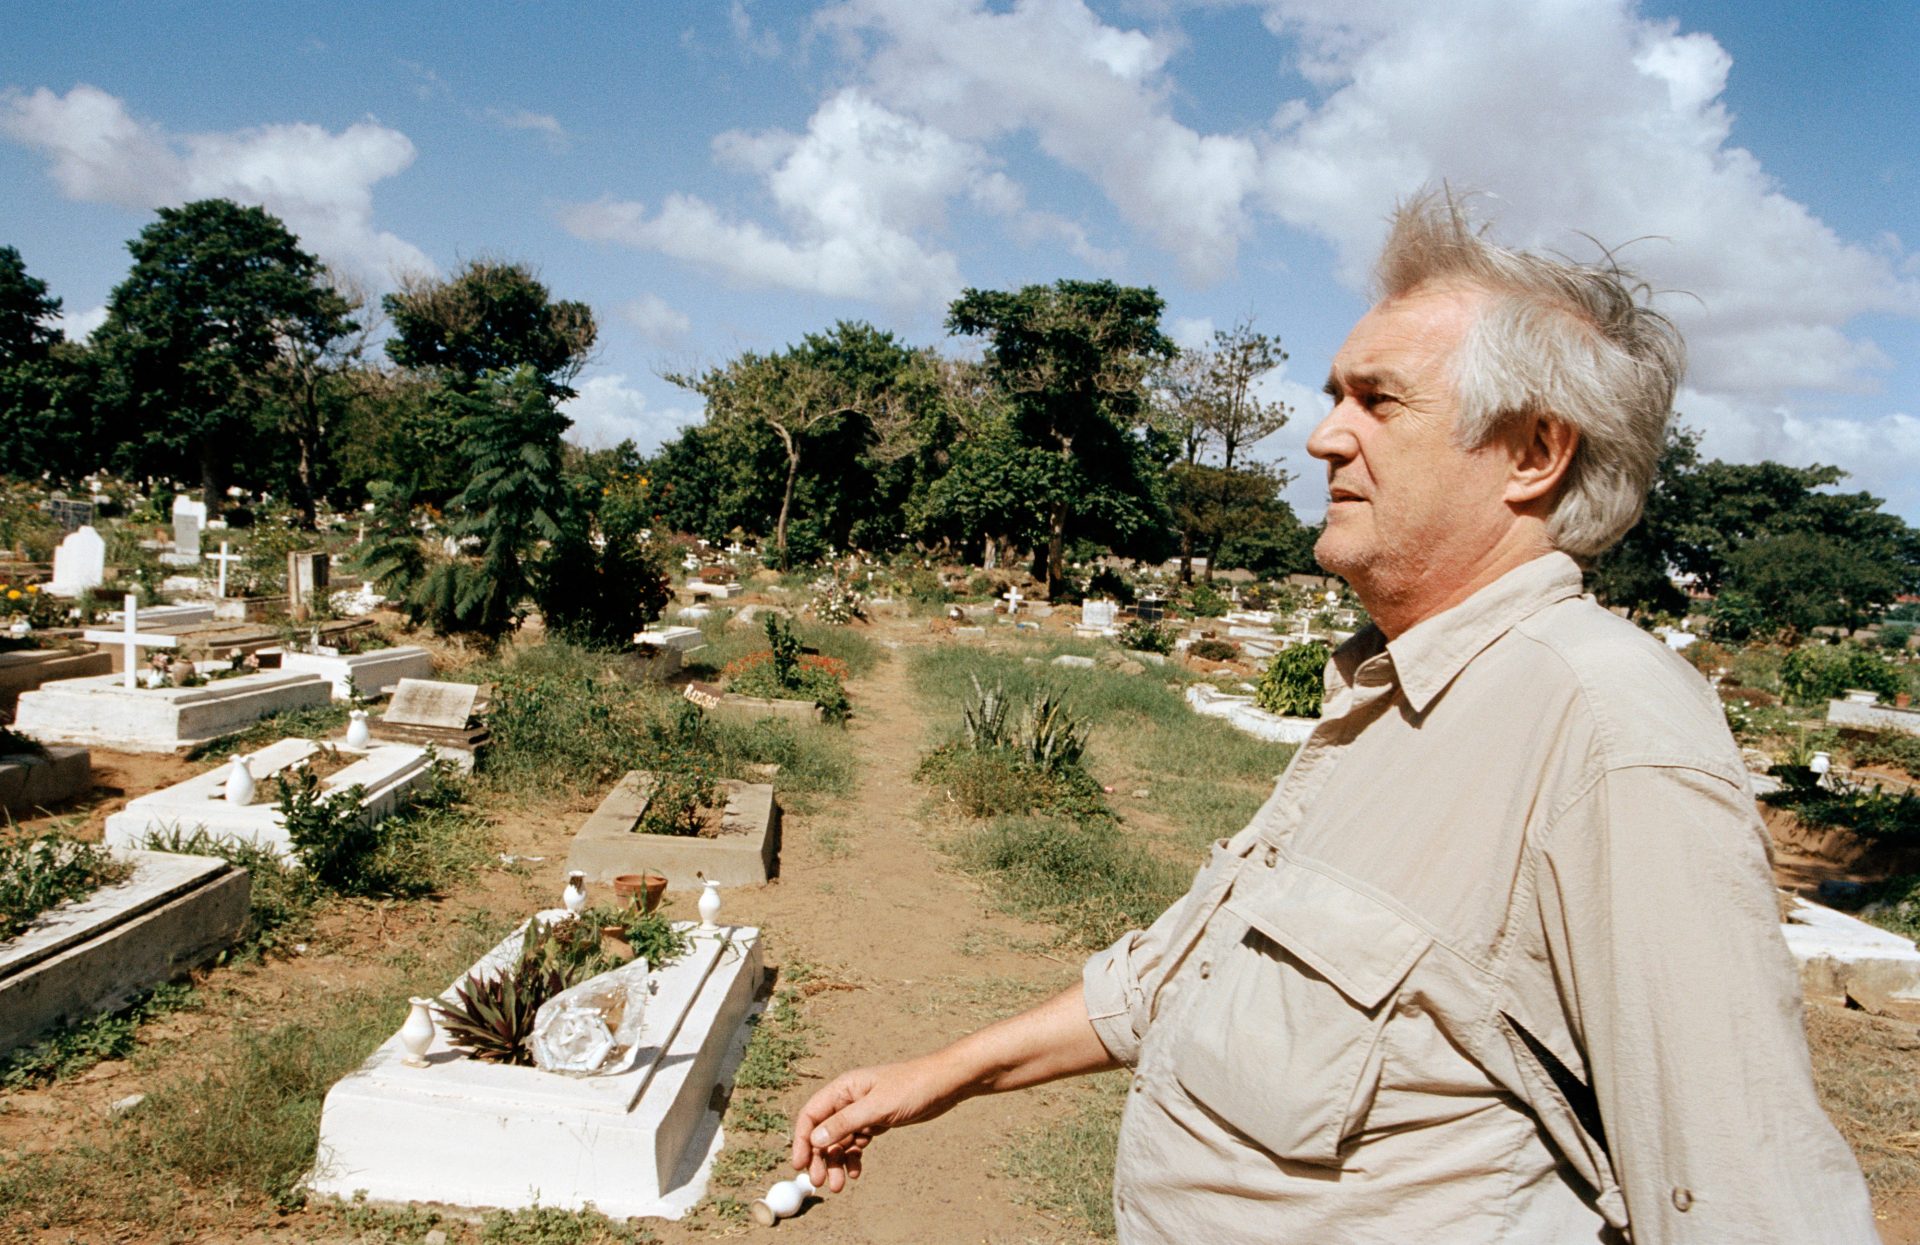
(1281,1038)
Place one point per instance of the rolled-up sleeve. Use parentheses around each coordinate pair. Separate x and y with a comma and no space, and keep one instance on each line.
(1120,983)
(1658,910)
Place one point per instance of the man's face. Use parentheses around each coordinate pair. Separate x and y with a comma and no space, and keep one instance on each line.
(1408,509)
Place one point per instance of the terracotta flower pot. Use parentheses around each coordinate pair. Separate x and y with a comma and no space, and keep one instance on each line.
(1902,700)
(613,941)
(643,890)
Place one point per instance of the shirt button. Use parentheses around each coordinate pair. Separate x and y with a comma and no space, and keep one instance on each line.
(1206,969)
(1273,856)
(1682,1199)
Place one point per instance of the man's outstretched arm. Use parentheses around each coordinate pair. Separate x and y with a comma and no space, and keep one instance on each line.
(1048,1042)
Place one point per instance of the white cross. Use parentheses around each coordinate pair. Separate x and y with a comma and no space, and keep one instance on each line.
(131,639)
(1013,599)
(223,557)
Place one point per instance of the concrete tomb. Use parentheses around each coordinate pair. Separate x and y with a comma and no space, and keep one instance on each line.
(1836,952)
(373,673)
(1848,712)
(79,563)
(470,1133)
(103,711)
(308,575)
(743,853)
(95,954)
(31,780)
(386,773)
(1243,715)
(25,669)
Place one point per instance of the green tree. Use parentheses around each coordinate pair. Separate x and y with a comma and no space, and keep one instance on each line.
(46,425)
(489,317)
(603,580)
(1213,505)
(1073,358)
(216,292)
(516,499)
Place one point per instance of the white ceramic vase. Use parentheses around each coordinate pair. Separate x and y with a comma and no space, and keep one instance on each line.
(359,734)
(575,896)
(783,1200)
(417,1033)
(240,782)
(709,906)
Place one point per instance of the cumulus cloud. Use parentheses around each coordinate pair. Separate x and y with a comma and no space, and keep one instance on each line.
(79,325)
(657,321)
(320,183)
(1580,115)
(607,411)
(1094,96)
(546,125)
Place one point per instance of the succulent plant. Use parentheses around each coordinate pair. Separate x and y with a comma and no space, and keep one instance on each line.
(491,1017)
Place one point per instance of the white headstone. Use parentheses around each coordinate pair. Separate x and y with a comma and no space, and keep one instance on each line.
(189,516)
(79,564)
(1097,613)
(222,558)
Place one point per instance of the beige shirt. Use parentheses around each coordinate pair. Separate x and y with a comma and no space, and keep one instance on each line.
(1499,961)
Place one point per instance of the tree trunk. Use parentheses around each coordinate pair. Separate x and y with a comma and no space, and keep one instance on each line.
(786,504)
(1057,548)
(991,557)
(1186,556)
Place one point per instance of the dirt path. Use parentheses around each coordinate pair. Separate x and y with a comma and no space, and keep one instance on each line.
(863,893)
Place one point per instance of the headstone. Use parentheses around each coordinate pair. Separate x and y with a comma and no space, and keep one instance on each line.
(307,576)
(1097,614)
(223,558)
(424,702)
(1013,598)
(189,516)
(70,515)
(79,564)
(129,637)
(1151,609)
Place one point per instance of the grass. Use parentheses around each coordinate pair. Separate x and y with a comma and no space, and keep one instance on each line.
(1864,1070)
(44,872)
(565,723)
(236,1126)
(1094,871)
(307,722)
(74,1048)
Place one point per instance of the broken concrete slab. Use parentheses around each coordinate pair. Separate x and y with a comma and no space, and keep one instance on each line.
(1837,952)
(29,781)
(94,955)
(25,669)
(371,674)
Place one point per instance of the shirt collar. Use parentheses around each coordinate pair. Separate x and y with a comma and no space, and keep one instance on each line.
(1430,655)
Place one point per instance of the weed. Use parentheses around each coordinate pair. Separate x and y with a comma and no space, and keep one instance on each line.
(74,1048)
(282,900)
(309,722)
(1090,879)
(44,872)
(1070,1162)
(1294,681)
(546,1225)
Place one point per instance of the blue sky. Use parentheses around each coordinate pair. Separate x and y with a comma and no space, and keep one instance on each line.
(717,176)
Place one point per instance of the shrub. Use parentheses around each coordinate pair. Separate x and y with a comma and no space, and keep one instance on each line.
(1814,673)
(1294,681)
(1145,636)
(836,601)
(1206,601)
(42,873)
(332,836)
(1002,766)
(923,585)
(673,806)
(600,596)
(783,672)
(1107,582)
(1214,650)
(1865,810)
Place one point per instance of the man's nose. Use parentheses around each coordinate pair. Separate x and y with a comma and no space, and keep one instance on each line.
(1332,438)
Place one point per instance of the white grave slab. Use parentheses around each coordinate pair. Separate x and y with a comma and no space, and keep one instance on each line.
(1873,717)
(168,615)
(424,702)
(189,516)
(387,772)
(700,588)
(683,639)
(372,673)
(1835,951)
(469,1133)
(1243,715)
(101,711)
(79,563)
(1097,613)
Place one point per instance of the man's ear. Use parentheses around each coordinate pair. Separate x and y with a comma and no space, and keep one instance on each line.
(1541,449)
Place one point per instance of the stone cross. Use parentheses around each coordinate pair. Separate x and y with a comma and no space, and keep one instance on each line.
(223,557)
(131,639)
(1013,599)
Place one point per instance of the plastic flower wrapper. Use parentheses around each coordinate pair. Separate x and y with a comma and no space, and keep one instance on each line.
(592,1029)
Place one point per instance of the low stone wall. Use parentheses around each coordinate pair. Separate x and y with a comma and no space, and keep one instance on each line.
(744,853)
(26,669)
(1873,717)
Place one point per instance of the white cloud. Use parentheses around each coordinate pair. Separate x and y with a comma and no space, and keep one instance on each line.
(79,325)
(608,411)
(319,183)
(1093,95)
(1580,115)
(660,323)
(758,42)
(1880,453)
(546,125)
(854,190)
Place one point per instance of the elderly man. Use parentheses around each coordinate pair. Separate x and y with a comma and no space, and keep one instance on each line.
(1498,961)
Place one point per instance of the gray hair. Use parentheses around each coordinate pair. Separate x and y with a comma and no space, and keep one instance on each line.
(1566,340)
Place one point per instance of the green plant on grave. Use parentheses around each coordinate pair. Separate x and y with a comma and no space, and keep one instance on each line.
(41,873)
(1814,673)
(1213,650)
(674,804)
(332,835)
(1146,636)
(1294,681)
(785,647)
(983,719)
(575,946)
(492,1015)
(1050,738)
(14,744)
(1206,601)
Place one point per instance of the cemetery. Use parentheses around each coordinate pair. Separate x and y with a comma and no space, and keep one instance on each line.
(863,708)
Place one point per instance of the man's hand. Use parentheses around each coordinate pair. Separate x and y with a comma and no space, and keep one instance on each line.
(837,1123)
(1051,1041)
